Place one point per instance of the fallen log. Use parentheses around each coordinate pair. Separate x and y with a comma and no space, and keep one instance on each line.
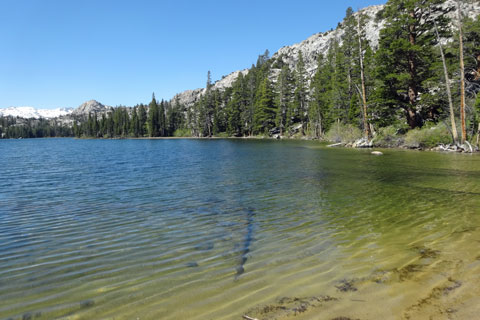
(336,144)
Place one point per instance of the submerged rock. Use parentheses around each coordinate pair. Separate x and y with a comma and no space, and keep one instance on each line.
(204,246)
(87,304)
(288,307)
(27,316)
(377,153)
(346,286)
(192,264)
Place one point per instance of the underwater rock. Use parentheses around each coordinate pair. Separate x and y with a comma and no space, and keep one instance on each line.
(205,246)
(407,272)
(346,286)
(240,270)
(27,316)
(381,276)
(425,252)
(376,153)
(288,307)
(87,304)
(192,264)
(456,284)
(433,298)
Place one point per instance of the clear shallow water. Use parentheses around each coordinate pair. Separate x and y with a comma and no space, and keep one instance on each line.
(215,229)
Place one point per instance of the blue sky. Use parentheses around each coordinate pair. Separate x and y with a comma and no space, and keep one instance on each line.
(62,53)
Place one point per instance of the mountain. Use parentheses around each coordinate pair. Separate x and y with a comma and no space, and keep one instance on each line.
(84,109)
(33,113)
(320,43)
(91,106)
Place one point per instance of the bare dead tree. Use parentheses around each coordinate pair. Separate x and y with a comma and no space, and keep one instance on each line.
(447,85)
(366,127)
(462,75)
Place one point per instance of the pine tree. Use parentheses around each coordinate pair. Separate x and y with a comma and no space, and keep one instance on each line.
(471,31)
(264,116)
(142,120)
(236,105)
(299,105)
(207,109)
(321,95)
(250,93)
(350,59)
(152,120)
(340,88)
(134,123)
(284,98)
(405,56)
(161,119)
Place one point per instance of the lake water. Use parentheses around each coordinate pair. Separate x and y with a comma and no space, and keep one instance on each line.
(218,229)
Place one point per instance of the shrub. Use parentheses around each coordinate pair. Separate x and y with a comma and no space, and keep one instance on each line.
(428,136)
(222,135)
(182,133)
(345,133)
(388,137)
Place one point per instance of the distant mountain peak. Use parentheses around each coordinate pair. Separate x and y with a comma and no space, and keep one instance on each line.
(91,106)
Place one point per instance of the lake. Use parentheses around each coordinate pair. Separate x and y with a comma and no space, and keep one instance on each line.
(218,229)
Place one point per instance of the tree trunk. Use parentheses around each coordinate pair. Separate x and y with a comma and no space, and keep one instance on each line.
(366,128)
(447,85)
(478,135)
(476,75)
(412,116)
(462,75)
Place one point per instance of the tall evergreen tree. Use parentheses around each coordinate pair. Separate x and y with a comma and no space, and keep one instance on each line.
(142,120)
(340,89)
(134,129)
(299,106)
(284,98)
(236,105)
(264,116)
(405,56)
(250,92)
(349,57)
(152,120)
(161,119)
(321,95)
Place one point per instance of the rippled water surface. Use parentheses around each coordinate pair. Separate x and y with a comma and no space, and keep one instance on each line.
(218,229)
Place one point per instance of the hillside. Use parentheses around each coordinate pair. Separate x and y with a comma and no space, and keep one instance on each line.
(320,43)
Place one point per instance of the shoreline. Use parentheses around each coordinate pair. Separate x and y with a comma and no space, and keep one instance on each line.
(332,144)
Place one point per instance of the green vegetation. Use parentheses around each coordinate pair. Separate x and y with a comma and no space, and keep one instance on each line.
(428,136)
(13,128)
(340,132)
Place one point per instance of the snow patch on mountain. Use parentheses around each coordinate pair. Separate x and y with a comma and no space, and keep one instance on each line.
(31,112)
